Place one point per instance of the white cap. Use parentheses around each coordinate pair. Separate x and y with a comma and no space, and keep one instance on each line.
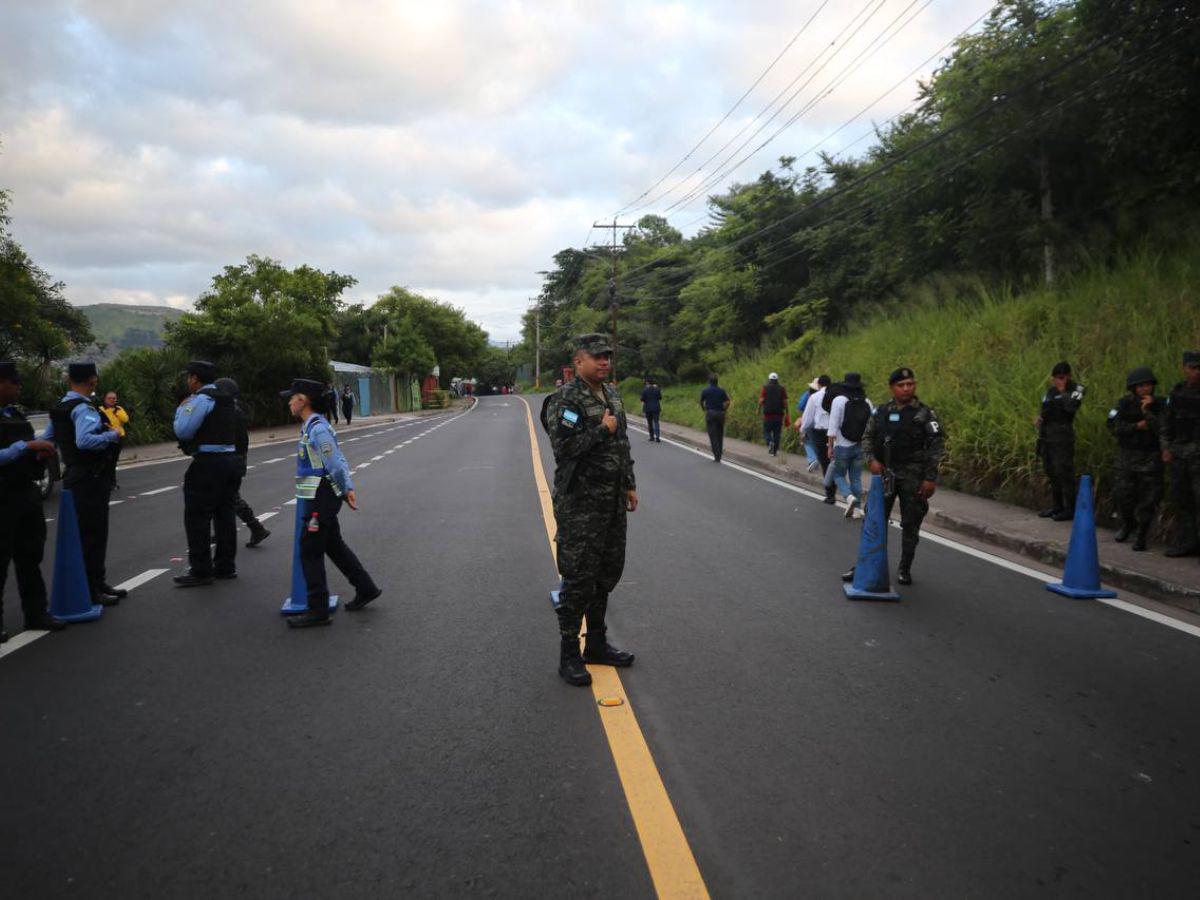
(774,376)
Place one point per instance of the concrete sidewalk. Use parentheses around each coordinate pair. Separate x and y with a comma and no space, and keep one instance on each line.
(259,436)
(1012,528)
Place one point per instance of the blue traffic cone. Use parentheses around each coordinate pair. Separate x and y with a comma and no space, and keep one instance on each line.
(871,580)
(71,595)
(297,601)
(1081,576)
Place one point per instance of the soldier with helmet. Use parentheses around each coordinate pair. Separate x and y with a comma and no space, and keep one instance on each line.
(22,525)
(594,490)
(1138,471)
(1180,433)
(1056,440)
(904,443)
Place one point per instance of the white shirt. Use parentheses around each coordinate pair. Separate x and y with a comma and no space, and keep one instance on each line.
(814,416)
(837,411)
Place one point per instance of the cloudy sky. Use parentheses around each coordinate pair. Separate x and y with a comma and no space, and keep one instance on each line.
(451,146)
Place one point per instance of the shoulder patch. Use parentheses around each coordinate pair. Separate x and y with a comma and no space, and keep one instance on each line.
(570,418)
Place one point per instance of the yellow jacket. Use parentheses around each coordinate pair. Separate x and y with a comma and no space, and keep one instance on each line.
(117,418)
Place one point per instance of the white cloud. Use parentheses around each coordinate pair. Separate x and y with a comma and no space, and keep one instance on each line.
(451,146)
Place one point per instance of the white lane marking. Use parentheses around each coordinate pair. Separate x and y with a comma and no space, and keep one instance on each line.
(115,502)
(363,465)
(250,467)
(291,502)
(24,639)
(266,515)
(169,487)
(349,440)
(139,580)
(389,452)
(267,462)
(1045,578)
(49,520)
(377,458)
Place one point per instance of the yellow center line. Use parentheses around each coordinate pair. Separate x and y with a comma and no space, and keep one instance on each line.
(668,855)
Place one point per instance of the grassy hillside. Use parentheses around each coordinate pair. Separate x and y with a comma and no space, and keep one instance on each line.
(982,357)
(119,327)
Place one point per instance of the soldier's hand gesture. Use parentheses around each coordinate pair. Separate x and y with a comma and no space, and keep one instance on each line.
(631,501)
(609,421)
(926,490)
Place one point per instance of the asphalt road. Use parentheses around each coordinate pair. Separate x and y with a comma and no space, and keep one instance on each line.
(982,738)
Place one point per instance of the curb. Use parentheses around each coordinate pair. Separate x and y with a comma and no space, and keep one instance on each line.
(1051,553)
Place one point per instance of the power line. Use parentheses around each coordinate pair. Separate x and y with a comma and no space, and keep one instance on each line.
(726,168)
(731,111)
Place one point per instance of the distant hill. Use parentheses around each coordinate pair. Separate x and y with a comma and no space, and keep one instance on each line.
(120,327)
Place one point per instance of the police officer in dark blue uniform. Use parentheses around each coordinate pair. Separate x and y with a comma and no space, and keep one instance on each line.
(206,425)
(22,525)
(86,443)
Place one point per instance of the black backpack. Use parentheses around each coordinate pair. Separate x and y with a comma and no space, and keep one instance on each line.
(855,417)
(831,393)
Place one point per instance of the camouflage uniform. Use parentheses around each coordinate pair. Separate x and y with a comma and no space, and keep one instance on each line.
(908,440)
(1137,474)
(593,473)
(1180,434)
(1056,442)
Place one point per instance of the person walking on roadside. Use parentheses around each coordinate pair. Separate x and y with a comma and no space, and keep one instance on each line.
(22,523)
(241,446)
(905,444)
(117,419)
(715,403)
(85,443)
(1138,468)
(323,484)
(206,425)
(347,403)
(1056,440)
(331,402)
(816,424)
(594,491)
(849,415)
(773,405)
(811,454)
(652,408)
(1180,434)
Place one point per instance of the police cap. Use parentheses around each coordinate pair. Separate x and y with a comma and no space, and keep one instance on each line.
(79,372)
(1140,375)
(309,387)
(901,374)
(1062,368)
(1191,357)
(594,344)
(8,372)
(205,371)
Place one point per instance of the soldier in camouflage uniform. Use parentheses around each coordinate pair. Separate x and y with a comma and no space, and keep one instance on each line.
(1138,472)
(1180,433)
(904,442)
(1056,440)
(594,488)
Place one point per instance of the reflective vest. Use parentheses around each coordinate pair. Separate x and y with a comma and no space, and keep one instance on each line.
(309,467)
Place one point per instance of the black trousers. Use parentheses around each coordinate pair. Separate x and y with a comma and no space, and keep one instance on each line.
(652,424)
(209,488)
(821,440)
(91,489)
(1059,460)
(327,541)
(22,542)
(347,411)
(714,421)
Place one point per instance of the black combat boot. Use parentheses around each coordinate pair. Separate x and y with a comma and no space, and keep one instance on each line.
(1124,532)
(600,652)
(570,663)
(831,494)
(1142,536)
(258,534)
(309,619)
(904,573)
(1186,550)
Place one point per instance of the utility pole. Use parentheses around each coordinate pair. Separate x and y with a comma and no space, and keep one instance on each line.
(537,346)
(613,285)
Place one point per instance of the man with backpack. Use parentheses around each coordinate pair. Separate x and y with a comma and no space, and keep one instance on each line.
(849,414)
(815,426)
(773,404)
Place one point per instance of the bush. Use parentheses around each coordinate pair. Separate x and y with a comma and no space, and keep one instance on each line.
(149,384)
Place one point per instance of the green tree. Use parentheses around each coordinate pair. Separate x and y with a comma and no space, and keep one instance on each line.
(404,351)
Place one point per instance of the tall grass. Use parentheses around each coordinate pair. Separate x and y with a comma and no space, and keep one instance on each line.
(982,356)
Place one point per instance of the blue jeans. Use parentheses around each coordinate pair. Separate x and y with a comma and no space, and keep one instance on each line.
(810,449)
(846,471)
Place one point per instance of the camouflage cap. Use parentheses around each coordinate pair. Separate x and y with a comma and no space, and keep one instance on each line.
(595,344)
